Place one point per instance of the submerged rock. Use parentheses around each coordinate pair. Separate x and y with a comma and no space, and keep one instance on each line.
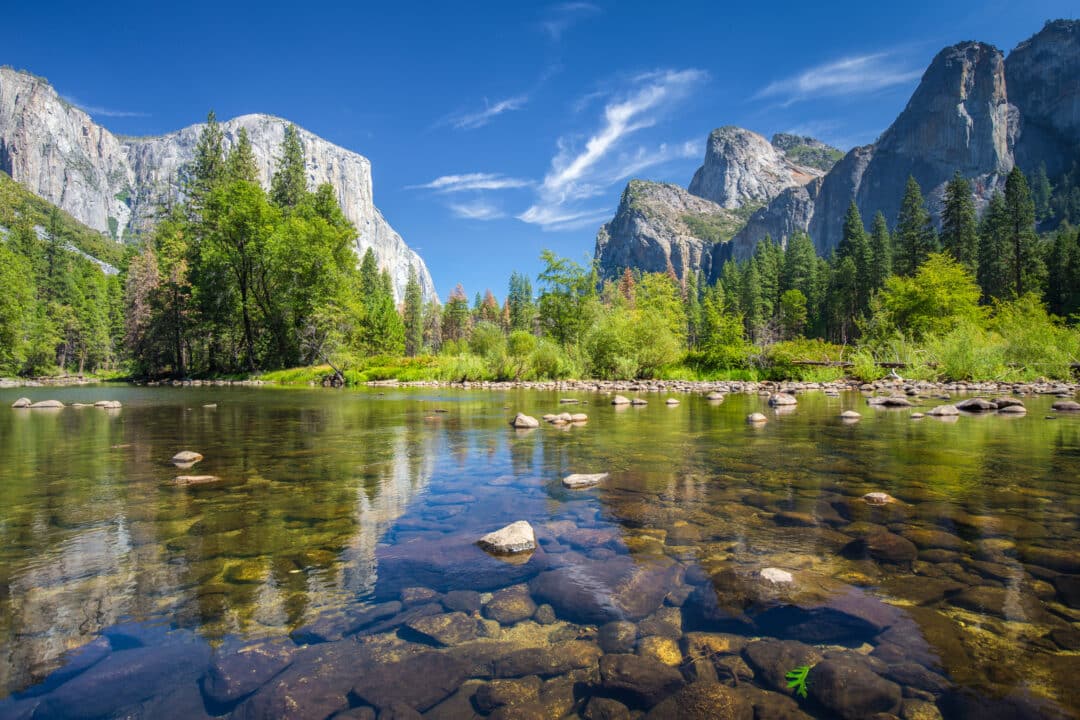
(703,701)
(556,659)
(510,605)
(446,629)
(878,498)
(516,537)
(599,591)
(421,681)
(644,680)
(772,659)
(195,479)
(236,673)
(185,458)
(850,690)
(578,480)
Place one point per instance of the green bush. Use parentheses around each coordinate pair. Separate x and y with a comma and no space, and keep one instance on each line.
(780,360)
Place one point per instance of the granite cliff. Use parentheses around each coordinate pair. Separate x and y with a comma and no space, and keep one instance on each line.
(118,185)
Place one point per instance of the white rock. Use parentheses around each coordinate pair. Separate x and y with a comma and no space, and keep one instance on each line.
(514,538)
(45,404)
(850,415)
(186,457)
(671,401)
(521,420)
(579,417)
(942,410)
(777,399)
(756,418)
(22,403)
(578,480)
(878,498)
(776,575)
(620,400)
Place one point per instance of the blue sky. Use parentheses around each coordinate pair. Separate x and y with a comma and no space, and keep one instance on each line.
(498,129)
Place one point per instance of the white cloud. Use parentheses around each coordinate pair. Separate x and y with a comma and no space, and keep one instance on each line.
(561,17)
(478,210)
(580,172)
(847,76)
(99,111)
(480,118)
(471,181)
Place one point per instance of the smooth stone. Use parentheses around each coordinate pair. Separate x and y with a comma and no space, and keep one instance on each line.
(779,399)
(1013,410)
(578,480)
(671,402)
(236,674)
(516,537)
(418,596)
(507,692)
(602,708)
(645,680)
(715,396)
(915,709)
(22,403)
(756,418)
(884,547)
(976,405)
(195,479)
(557,659)
(662,649)
(75,662)
(421,681)
(916,675)
(445,630)
(462,600)
(1004,603)
(599,591)
(510,605)
(46,404)
(334,627)
(1066,406)
(786,518)
(943,410)
(776,575)
(620,400)
(186,457)
(850,690)
(703,701)
(108,404)
(545,615)
(772,659)
(639,402)
(850,415)
(617,636)
(1068,589)
(878,498)
(579,418)
(523,421)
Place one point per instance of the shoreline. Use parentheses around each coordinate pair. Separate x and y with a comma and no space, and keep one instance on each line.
(911,388)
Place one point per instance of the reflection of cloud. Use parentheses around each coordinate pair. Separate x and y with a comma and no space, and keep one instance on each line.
(471,181)
(580,172)
(847,76)
(563,16)
(101,111)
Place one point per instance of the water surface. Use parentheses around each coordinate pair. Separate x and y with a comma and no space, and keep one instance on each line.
(331,503)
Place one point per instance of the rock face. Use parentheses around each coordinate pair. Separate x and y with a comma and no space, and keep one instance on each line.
(742,168)
(119,185)
(659,223)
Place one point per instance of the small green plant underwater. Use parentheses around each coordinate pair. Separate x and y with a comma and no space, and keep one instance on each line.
(797,679)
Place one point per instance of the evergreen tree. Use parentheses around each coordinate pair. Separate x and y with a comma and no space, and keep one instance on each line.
(208,168)
(750,300)
(1063,277)
(881,253)
(289,184)
(792,314)
(693,308)
(369,275)
(521,304)
(993,268)
(843,299)
(855,244)
(959,226)
(240,162)
(455,316)
(413,315)
(1041,193)
(628,286)
(770,260)
(915,238)
(1024,260)
(489,309)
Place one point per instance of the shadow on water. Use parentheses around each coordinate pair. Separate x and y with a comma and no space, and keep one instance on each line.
(333,560)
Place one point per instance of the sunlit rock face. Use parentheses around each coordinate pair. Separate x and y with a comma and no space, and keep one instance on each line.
(120,185)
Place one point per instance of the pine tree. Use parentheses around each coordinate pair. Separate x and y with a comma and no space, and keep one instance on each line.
(208,168)
(1024,260)
(693,308)
(240,162)
(855,244)
(993,269)
(959,226)
(770,259)
(750,299)
(455,317)
(1041,193)
(289,184)
(843,299)
(369,275)
(627,287)
(915,238)
(413,313)
(520,299)
(881,253)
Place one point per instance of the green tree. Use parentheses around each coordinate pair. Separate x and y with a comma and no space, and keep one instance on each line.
(914,239)
(793,314)
(455,316)
(1024,258)
(940,296)
(751,301)
(843,304)
(289,184)
(568,298)
(17,310)
(520,302)
(993,268)
(208,167)
(1041,193)
(1063,265)
(881,253)
(413,315)
(855,244)
(240,162)
(959,225)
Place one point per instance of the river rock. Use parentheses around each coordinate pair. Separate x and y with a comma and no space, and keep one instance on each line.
(516,537)
(895,401)
(850,690)
(599,591)
(107,404)
(579,418)
(776,575)
(943,410)
(420,681)
(510,605)
(1068,589)
(620,400)
(671,402)
(772,659)
(715,396)
(185,480)
(46,404)
(602,708)
(644,680)
(507,692)
(976,405)
(639,402)
(468,601)
(756,419)
(850,415)
(185,458)
(878,498)
(556,659)
(1013,410)
(778,399)
(523,421)
(617,636)
(703,701)
(445,629)
(662,649)
(236,673)
(1060,405)
(883,546)
(578,480)
(450,562)
(22,403)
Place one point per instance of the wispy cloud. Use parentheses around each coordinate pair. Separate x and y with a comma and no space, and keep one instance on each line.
(560,18)
(847,76)
(480,118)
(579,172)
(478,210)
(471,181)
(99,111)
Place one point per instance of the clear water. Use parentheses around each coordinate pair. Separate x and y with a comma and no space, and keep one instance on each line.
(331,501)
